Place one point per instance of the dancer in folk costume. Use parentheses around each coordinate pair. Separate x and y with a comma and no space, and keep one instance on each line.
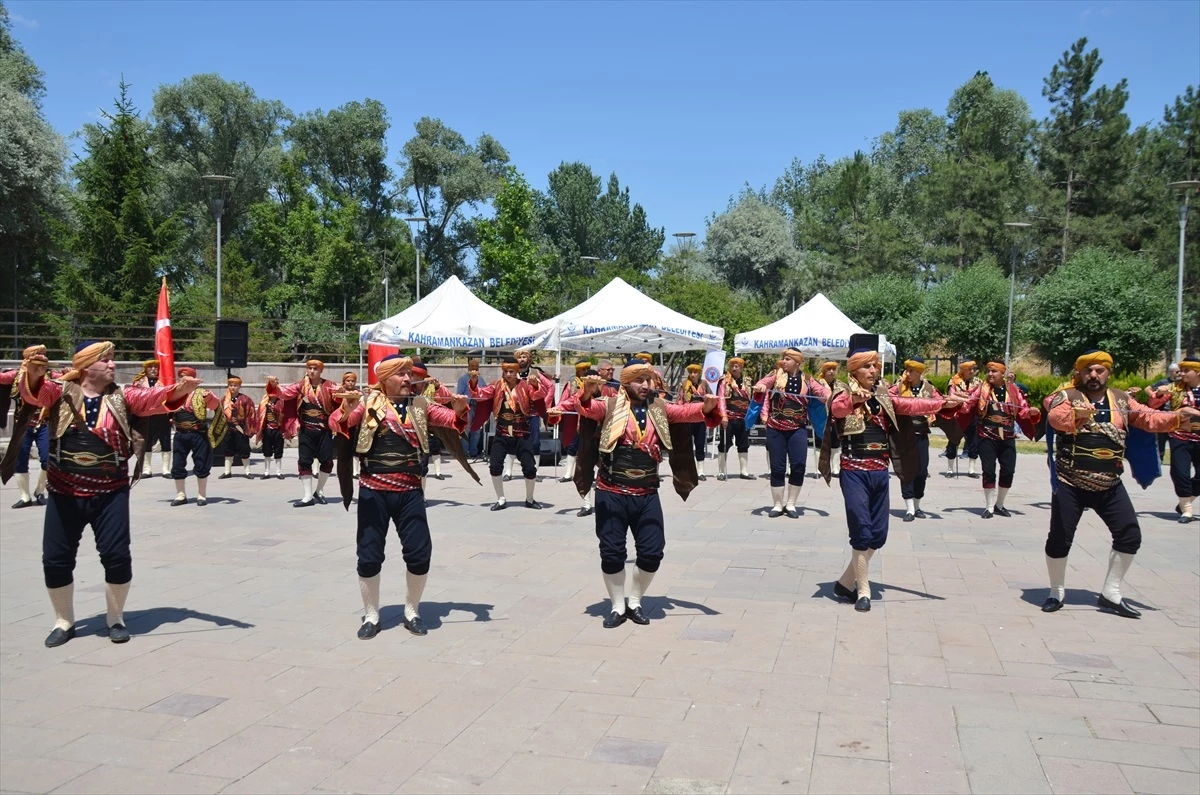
(875,429)
(1091,422)
(514,404)
(784,395)
(241,423)
(158,427)
(626,435)
(1185,443)
(274,428)
(734,391)
(313,399)
(693,390)
(999,406)
(36,434)
(197,436)
(913,384)
(91,445)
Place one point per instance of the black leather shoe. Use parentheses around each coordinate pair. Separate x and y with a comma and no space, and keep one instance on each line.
(747,477)
(1182,519)
(585,512)
(1121,608)
(909,517)
(304,504)
(775,513)
(921,514)
(507,478)
(564,480)
(973,475)
(280,476)
(319,499)
(1002,511)
(863,605)
(1051,605)
(636,615)
(415,625)
(500,506)
(721,477)
(611,621)
(703,477)
(59,636)
(41,499)
(225,476)
(117,633)
(202,501)
(987,514)
(179,501)
(23,503)
(534,504)
(265,477)
(848,594)
(368,630)
(791,513)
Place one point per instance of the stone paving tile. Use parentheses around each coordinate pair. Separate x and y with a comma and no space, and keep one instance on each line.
(244,673)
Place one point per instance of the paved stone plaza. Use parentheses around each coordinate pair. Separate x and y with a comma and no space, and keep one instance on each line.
(244,673)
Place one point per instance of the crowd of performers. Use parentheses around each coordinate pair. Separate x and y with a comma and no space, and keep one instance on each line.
(617,427)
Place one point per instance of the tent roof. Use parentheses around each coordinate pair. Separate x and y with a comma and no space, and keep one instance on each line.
(450,317)
(622,319)
(818,328)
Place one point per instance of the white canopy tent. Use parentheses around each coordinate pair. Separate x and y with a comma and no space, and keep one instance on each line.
(450,317)
(622,319)
(818,328)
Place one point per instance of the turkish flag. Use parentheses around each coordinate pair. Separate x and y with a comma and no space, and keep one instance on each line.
(376,353)
(164,346)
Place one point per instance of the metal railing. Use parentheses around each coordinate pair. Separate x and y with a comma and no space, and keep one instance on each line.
(270,339)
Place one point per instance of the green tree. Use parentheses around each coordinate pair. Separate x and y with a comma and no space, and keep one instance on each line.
(968,312)
(32,160)
(888,304)
(1132,317)
(1082,150)
(120,244)
(207,125)
(750,246)
(511,263)
(449,177)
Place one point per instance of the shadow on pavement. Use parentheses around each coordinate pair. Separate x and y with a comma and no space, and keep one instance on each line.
(433,614)
(654,607)
(144,622)
(1075,597)
(878,589)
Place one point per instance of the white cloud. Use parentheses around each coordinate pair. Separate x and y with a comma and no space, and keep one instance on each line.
(20,20)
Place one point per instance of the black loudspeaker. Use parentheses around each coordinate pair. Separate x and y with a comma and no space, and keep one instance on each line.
(859,341)
(232,343)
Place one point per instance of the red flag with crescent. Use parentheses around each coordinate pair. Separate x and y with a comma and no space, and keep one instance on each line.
(164,345)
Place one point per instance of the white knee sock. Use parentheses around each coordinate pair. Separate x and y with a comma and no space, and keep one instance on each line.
(587,502)
(437,465)
(777,496)
(793,493)
(910,505)
(989,499)
(181,489)
(498,485)
(1118,566)
(246,468)
(412,597)
(744,463)
(847,578)
(228,466)
(63,601)
(916,504)
(1001,493)
(615,583)
(970,466)
(1185,505)
(950,464)
(509,461)
(641,581)
(369,588)
(23,484)
(721,458)
(321,478)
(569,471)
(702,466)
(166,464)
(1057,569)
(114,602)
(202,488)
(306,482)
(862,563)
(41,484)
(529,484)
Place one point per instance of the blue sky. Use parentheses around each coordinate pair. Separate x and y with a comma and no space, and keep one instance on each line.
(686,102)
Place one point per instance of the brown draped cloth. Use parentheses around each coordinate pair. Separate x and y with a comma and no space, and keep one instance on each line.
(8,465)
(681,457)
(5,401)
(949,426)
(902,441)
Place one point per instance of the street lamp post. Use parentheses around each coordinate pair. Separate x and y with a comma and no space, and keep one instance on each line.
(1016,226)
(591,264)
(218,190)
(1186,187)
(413,234)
